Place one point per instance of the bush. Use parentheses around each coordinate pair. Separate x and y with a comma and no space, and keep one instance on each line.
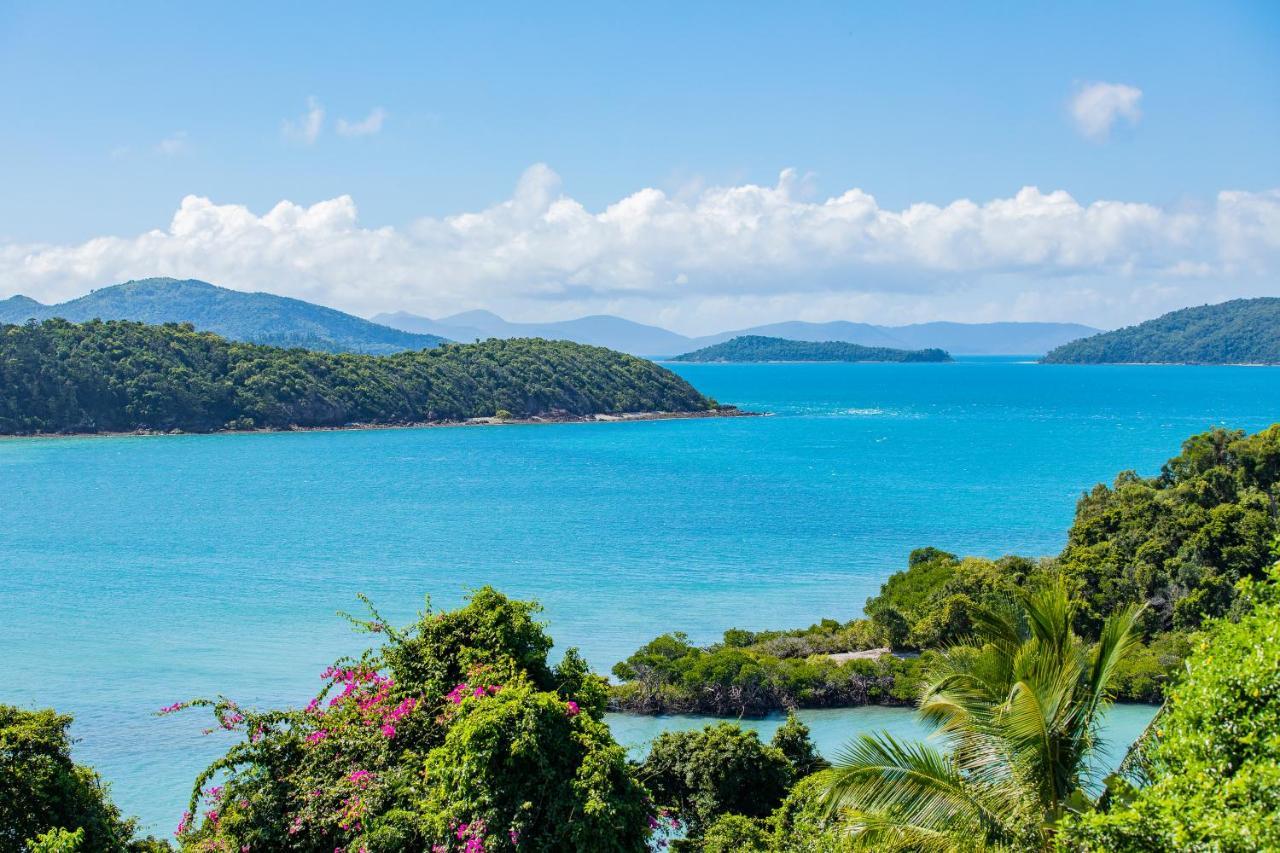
(454,735)
(722,769)
(792,738)
(1215,759)
(47,800)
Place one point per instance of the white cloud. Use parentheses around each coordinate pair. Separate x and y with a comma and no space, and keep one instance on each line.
(1096,107)
(745,253)
(306,128)
(370,124)
(174,143)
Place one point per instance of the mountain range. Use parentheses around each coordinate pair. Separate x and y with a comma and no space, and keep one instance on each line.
(641,339)
(281,321)
(260,318)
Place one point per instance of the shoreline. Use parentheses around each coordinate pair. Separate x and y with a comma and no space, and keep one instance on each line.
(536,420)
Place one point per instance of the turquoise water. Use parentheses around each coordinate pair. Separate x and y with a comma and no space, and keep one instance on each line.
(137,571)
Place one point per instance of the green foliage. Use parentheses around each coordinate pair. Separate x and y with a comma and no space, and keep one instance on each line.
(454,732)
(804,822)
(1017,712)
(260,318)
(719,770)
(792,738)
(761,348)
(735,833)
(1179,541)
(1215,755)
(57,841)
(49,803)
(121,376)
(1242,331)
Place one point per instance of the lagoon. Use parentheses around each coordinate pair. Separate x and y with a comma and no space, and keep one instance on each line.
(139,571)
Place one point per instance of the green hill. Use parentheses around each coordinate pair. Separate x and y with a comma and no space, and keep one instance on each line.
(760,348)
(116,376)
(260,318)
(1242,331)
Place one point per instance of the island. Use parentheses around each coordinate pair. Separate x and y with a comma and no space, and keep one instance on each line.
(746,348)
(1242,331)
(123,376)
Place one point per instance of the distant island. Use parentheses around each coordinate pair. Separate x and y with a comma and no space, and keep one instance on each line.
(618,333)
(748,348)
(1242,331)
(122,376)
(260,318)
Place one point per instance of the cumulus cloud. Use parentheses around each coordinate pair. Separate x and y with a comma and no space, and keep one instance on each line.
(306,127)
(370,124)
(1096,107)
(751,252)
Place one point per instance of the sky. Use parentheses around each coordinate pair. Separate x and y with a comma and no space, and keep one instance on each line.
(700,166)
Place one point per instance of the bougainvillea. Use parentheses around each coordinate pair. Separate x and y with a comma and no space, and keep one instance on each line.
(454,735)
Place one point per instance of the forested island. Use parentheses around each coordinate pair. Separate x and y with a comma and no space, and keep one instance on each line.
(1176,544)
(122,376)
(746,348)
(1242,331)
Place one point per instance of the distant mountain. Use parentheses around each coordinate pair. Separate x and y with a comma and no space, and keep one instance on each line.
(640,339)
(1242,331)
(261,318)
(599,330)
(759,348)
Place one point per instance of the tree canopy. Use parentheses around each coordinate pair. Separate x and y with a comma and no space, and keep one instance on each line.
(761,348)
(123,376)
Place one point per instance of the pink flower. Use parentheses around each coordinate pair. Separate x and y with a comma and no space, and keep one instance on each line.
(389,730)
(169,709)
(296,826)
(514,835)
(462,831)
(571,708)
(360,777)
(317,736)
(184,824)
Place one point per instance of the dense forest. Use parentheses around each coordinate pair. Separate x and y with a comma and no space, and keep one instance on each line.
(117,376)
(1176,544)
(1242,331)
(760,348)
(259,318)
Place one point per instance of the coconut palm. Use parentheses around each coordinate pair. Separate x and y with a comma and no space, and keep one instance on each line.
(1017,710)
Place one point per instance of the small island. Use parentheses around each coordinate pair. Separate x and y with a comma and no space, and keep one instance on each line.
(747,348)
(1242,331)
(120,376)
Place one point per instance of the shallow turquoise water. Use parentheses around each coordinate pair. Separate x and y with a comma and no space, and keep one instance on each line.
(138,571)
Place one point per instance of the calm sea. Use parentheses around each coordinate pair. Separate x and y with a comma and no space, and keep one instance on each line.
(135,572)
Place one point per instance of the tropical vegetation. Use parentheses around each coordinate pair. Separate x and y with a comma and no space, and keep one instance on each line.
(761,348)
(1242,331)
(120,376)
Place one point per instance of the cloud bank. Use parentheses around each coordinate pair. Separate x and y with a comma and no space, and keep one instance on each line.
(720,256)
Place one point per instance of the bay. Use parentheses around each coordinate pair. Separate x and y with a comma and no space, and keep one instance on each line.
(138,571)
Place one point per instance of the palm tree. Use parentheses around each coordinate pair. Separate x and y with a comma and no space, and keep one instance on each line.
(1017,710)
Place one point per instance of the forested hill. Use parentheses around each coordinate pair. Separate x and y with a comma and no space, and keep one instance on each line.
(116,376)
(1242,331)
(760,348)
(260,318)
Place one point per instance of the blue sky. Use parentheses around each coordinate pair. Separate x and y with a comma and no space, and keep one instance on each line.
(114,113)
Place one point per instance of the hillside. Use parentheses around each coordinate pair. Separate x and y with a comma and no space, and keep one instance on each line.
(116,376)
(261,318)
(640,339)
(1242,331)
(760,348)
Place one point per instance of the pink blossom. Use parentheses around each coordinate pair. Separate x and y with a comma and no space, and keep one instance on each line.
(296,826)
(462,831)
(571,708)
(389,730)
(169,709)
(360,777)
(514,835)
(184,824)
(317,736)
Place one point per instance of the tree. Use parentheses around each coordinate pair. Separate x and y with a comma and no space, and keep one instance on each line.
(47,800)
(721,769)
(1017,710)
(1214,756)
(454,735)
(792,738)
